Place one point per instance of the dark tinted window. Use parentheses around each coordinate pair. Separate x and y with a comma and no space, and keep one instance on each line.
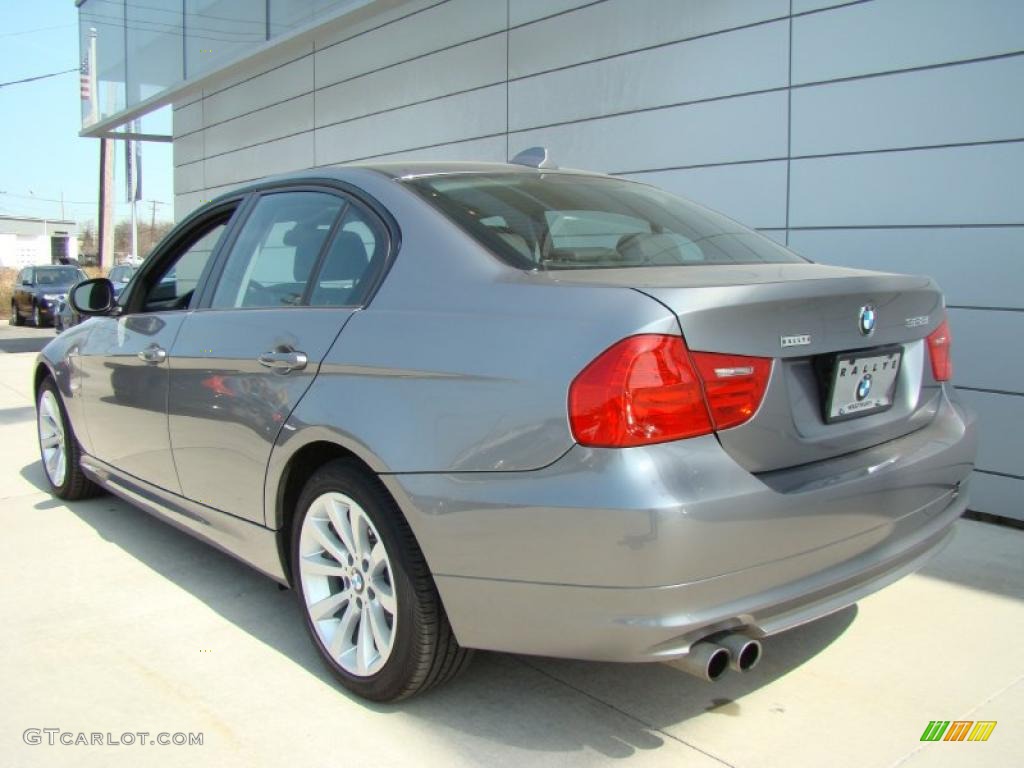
(58,275)
(573,221)
(174,287)
(352,261)
(121,275)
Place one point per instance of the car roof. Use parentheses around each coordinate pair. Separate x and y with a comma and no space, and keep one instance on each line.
(407,170)
(413,169)
(396,170)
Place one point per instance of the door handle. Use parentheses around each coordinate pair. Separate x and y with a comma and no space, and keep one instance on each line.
(284,361)
(153,354)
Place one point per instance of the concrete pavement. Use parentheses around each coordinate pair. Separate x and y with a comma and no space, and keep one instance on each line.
(114,622)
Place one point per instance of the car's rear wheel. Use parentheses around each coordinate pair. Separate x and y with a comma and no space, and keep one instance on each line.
(371,605)
(16,318)
(59,448)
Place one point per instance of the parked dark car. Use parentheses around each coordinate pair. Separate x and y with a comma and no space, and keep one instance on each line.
(66,316)
(38,292)
(481,406)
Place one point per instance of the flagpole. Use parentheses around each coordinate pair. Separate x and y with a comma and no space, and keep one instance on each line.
(130,148)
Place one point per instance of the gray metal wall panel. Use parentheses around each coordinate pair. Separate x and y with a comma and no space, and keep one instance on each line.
(975,266)
(491,149)
(997,495)
(524,11)
(741,128)
(583,35)
(289,117)
(886,35)
(743,61)
(273,87)
(805,6)
(454,118)
(985,345)
(469,65)
(437,27)
(186,118)
(261,160)
(1001,420)
(957,185)
(962,103)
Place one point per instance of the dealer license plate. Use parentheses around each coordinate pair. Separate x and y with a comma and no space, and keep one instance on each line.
(863,382)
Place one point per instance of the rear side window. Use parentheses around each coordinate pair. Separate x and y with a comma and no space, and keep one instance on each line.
(277,249)
(352,261)
(573,221)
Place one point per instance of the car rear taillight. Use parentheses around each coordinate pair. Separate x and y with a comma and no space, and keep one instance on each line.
(733,384)
(650,389)
(939,342)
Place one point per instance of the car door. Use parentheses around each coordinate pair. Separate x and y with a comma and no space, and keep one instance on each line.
(123,358)
(294,274)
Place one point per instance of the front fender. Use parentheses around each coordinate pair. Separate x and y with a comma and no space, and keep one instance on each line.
(58,360)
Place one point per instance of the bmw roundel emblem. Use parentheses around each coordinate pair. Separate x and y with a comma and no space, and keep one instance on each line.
(866,323)
(864,387)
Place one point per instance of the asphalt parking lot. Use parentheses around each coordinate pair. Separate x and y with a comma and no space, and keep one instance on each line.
(114,622)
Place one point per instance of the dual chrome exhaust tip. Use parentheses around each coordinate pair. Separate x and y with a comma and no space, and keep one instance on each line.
(708,659)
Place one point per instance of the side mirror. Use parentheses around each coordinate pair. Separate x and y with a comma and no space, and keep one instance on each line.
(93,297)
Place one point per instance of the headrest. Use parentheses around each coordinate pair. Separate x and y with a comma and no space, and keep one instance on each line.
(307,242)
(346,260)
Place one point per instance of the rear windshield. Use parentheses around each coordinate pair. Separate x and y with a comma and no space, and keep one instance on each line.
(571,221)
(58,275)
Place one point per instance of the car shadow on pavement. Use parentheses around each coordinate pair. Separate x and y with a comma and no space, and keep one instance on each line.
(526,703)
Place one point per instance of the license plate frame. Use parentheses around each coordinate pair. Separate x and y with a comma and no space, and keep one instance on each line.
(847,369)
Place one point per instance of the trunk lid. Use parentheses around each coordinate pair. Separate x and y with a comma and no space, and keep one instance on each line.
(800,315)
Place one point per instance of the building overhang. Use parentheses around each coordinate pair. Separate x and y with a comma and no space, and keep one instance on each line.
(130,105)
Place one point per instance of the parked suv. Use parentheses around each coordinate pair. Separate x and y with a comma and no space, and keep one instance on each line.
(38,291)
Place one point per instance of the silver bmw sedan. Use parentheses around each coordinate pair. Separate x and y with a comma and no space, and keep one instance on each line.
(515,408)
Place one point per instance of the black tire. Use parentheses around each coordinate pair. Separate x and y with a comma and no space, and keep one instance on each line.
(37,317)
(76,484)
(425,652)
(16,318)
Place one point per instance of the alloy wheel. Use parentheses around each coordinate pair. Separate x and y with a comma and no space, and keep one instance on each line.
(52,438)
(348,584)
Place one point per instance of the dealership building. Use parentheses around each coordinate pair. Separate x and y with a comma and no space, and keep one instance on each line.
(885,134)
(27,241)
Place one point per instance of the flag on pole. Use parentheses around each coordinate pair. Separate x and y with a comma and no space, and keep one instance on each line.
(85,78)
(132,166)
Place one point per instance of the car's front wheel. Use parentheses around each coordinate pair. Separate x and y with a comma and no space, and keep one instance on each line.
(37,317)
(58,447)
(370,603)
(16,318)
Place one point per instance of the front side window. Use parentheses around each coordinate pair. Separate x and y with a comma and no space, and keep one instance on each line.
(173,287)
(573,221)
(273,258)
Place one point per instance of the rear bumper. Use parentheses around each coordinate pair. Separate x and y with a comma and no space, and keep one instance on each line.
(635,554)
(608,624)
